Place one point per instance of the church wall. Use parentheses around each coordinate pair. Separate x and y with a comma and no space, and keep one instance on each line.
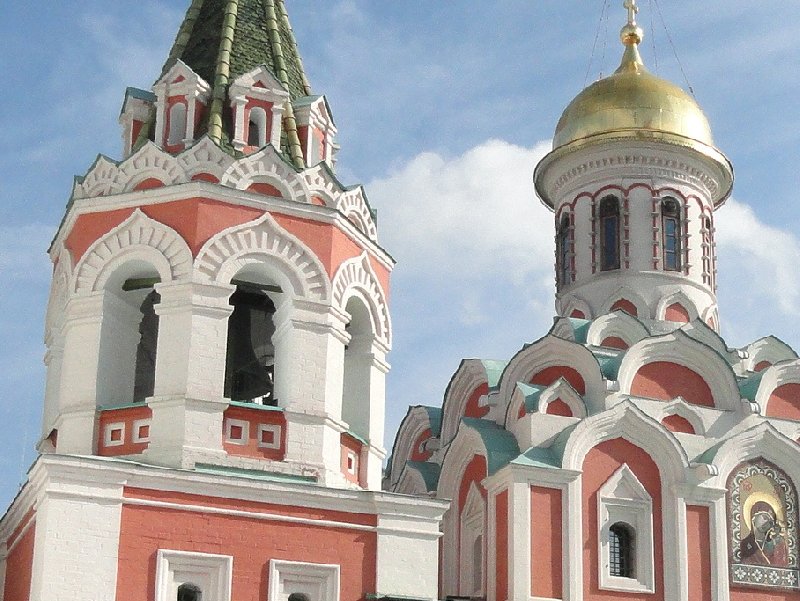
(664,381)
(598,466)
(546,542)
(209,525)
(784,402)
(698,552)
(19,563)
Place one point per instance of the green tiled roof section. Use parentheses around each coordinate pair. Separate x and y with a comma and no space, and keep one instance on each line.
(501,446)
(581,328)
(199,38)
(429,472)
(609,364)
(532,394)
(749,386)
(435,419)
(494,369)
(538,457)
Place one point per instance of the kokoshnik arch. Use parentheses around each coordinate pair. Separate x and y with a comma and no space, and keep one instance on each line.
(217,335)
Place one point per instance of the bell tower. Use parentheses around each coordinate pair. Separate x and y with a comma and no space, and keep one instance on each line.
(634,179)
(219,297)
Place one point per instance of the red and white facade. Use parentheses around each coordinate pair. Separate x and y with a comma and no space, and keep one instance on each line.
(151,478)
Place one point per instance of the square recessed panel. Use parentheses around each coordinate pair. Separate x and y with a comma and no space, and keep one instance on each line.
(237,431)
(141,431)
(269,436)
(114,435)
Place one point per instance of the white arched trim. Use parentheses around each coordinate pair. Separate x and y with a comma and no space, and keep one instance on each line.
(460,453)
(552,351)
(711,313)
(618,324)
(357,277)
(411,482)
(205,156)
(149,162)
(677,347)
(322,183)
(702,332)
(469,375)
(558,390)
(266,166)
(569,303)
(59,293)
(415,423)
(762,440)
(264,242)
(676,297)
(628,294)
(770,349)
(682,409)
(353,205)
(628,422)
(137,238)
(785,372)
(98,180)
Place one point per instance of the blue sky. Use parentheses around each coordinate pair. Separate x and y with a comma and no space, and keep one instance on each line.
(443,109)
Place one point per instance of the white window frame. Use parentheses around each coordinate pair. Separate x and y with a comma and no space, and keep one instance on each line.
(319,581)
(135,427)
(623,499)
(276,436)
(245,425)
(107,434)
(212,573)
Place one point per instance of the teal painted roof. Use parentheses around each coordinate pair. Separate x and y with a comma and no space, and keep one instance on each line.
(748,387)
(253,474)
(538,457)
(580,328)
(532,394)
(435,419)
(140,94)
(609,364)
(501,446)
(429,472)
(494,369)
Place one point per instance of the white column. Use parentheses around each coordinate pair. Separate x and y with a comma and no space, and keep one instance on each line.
(275,133)
(237,106)
(53,359)
(519,541)
(188,401)
(78,383)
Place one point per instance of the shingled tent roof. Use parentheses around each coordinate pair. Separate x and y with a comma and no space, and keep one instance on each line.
(223,39)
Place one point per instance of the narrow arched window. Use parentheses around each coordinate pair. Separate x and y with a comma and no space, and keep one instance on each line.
(189,592)
(564,261)
(671,234)
(257,128)
(708,248)
(621,551)
(177,123)
(299,597)
(250,361)
(609,233)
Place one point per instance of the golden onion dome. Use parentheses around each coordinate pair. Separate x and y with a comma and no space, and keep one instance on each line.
(632,104)
(632,100)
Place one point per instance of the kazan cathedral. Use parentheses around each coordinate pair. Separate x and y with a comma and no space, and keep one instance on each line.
(217,334)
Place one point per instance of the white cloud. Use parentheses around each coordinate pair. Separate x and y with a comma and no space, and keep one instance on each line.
(763,258)
(467,217)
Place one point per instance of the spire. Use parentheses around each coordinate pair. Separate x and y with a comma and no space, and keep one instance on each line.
(223,39)
(631,36)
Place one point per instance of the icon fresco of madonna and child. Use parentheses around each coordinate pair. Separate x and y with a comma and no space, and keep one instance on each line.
(763,535)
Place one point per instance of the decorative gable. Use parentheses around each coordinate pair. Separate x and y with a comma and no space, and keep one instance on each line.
(181,100)
(258,101)
(316,130)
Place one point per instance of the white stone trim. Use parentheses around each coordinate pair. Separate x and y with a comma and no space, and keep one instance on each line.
(627,293)
(137,238)
(676,297)
(232,423)
(785,372)
(276,436)
(353,205)
(266,166)
(148,162)
(356,276)
(618,324)
(212,573)
(552,351)
(567,303)
(109,429)
(135,429)
(319,581)
(623,499)
(469,375)
(265,243)
(205,156)
(681,349)
(770,349)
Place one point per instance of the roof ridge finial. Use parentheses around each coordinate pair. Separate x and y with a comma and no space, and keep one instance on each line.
(631,33)
(631,36)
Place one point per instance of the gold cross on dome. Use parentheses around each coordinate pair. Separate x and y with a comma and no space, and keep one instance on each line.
(632,10)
